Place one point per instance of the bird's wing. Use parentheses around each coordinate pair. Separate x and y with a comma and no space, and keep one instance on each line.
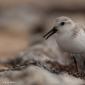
(75,31)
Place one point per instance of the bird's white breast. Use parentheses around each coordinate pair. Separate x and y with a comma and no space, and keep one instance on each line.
(73,45)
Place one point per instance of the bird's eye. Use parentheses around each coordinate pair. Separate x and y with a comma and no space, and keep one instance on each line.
(62,23)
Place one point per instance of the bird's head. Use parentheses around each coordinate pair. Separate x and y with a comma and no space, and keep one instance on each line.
(62,25)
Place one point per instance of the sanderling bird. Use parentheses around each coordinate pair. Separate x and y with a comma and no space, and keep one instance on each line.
(70,37)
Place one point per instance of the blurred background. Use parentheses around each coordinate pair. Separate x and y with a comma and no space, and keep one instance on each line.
(22,25)
(22,22)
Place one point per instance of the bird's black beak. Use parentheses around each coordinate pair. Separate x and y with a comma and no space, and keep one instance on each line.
(50,33)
